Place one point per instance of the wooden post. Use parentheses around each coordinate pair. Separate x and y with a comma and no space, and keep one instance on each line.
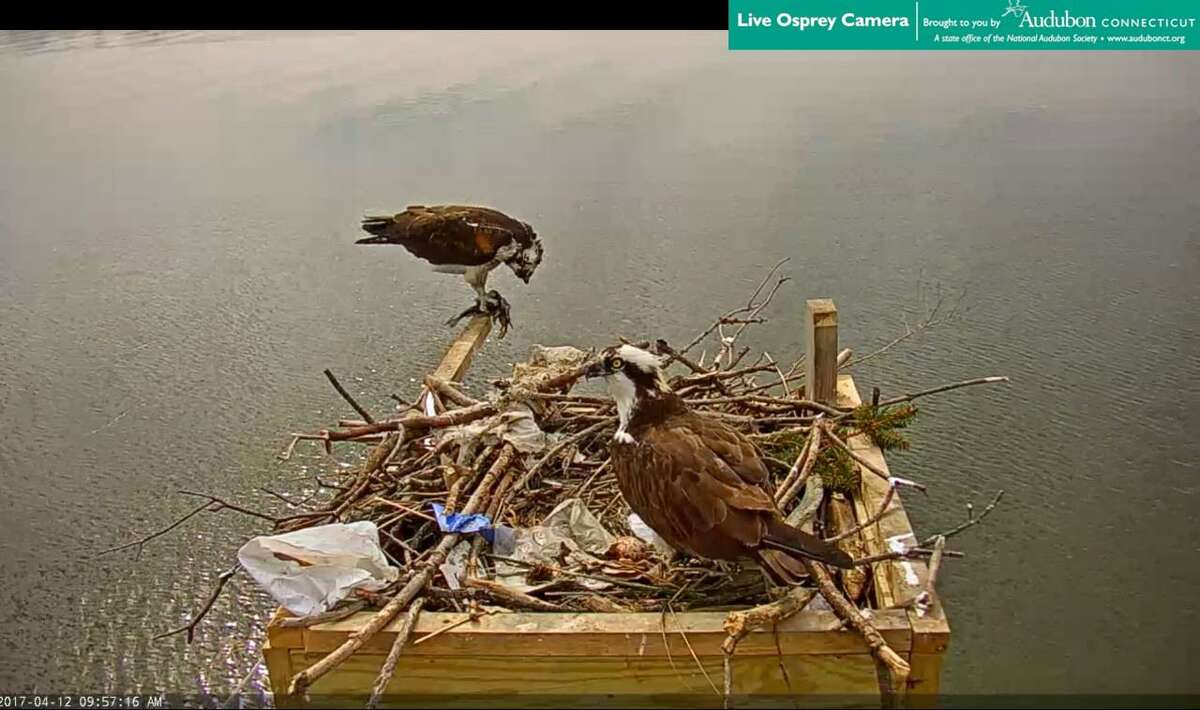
(820,379)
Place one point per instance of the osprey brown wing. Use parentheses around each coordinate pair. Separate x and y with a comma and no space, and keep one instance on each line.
(447,234)
(691,496)
(702,486)
(731,447)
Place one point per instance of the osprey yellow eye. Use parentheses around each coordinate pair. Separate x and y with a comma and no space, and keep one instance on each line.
(615,363)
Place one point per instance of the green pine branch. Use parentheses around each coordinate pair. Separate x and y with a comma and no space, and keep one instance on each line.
(885,425)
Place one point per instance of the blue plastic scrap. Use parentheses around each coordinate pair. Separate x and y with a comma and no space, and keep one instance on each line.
(459,523)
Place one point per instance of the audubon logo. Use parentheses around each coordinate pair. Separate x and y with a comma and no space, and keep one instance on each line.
(1015,9)
(1051,20)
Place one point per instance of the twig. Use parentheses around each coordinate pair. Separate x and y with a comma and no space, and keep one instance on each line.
(934,317)
(559,570)
(779,402)
(749,307)
(449,627)
(727,667)
(519,485)
(740,623)
(972,521)
(883,510)
(897,666)
(584,485)
(943,388)
(809,455)
(447,390)
(346,396)
(302,622)
(787,392)
(190,627)
(416,422)
(235,699)
(302,680)
(692,651)
(672,355)
(285,499)
(509,596)
(909,554)
(222,504)
(140,543)
(389,666)
(862,461)
(924,600)
(404,508)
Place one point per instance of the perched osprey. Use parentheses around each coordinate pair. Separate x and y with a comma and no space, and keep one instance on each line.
(697,482)
(460,239)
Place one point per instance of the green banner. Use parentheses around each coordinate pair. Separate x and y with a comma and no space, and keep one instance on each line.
(964,24)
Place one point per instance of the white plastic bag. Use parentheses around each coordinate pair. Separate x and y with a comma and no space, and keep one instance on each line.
(309,571)
(647,534)
(516,425)
(570,525)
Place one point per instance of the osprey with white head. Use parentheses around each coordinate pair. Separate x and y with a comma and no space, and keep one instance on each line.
(466,240)
(633,376)
(697,482)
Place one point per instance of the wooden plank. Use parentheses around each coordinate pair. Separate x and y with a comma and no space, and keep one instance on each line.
(931,639)
(632,635)
(894,580)
(281,637)
(898,581)
(653,681)
(924,680)
(821,359)
(931,630)
(842,518)
(457,360)
(279,667)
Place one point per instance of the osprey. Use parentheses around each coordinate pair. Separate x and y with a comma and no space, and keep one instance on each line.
(460,239)
(697,482)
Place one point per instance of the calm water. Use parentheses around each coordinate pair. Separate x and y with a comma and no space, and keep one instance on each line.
(176,213)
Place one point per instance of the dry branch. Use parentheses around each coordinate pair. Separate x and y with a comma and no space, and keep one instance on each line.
(190,626)
(346,396)
(803,468)
(306,677)
(942,388)
(740,623)
(140,543)
(337,614)
(508,596)
(849,613)
(389,665)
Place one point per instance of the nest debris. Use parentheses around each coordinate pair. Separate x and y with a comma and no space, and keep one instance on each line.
(533,445)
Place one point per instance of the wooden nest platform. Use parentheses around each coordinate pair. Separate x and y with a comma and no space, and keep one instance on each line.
(624,622)
(673,658)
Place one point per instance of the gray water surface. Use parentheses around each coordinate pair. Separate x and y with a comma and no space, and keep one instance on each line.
(176,269)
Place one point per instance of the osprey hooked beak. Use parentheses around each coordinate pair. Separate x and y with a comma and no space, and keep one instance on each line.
(596,369)
(526,261)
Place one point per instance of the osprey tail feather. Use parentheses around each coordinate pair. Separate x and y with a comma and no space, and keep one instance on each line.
(797,543)
(377,226)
